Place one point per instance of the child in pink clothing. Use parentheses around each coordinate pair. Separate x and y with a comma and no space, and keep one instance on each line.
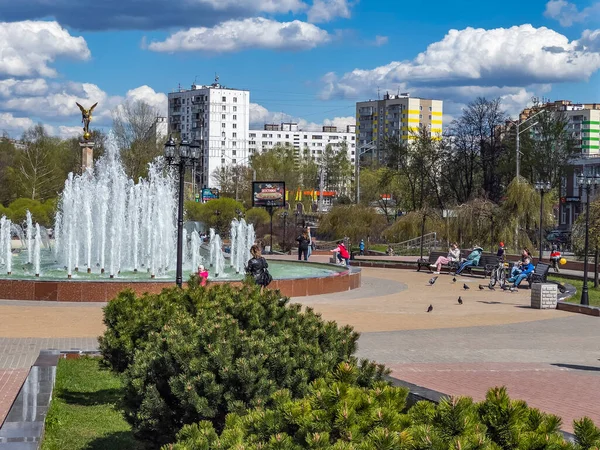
(202,275)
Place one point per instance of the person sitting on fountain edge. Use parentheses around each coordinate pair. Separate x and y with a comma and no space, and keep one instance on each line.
(257,267)
(202,275)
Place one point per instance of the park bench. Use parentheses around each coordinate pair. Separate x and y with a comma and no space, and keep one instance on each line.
(487,263)
(539,274)
(433,257)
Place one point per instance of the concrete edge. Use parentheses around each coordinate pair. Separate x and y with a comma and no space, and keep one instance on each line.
(25,424)
(419,393)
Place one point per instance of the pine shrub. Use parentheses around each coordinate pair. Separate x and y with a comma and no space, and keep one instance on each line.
(199,354)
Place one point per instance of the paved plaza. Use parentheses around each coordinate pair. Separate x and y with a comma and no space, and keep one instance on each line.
(548,358)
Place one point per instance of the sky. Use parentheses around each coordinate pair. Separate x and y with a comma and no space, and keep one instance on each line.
(307,61)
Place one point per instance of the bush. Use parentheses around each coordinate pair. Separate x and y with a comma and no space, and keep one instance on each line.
(199,354)
(338,414)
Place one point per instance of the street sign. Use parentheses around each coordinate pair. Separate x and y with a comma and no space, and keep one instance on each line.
(209,194)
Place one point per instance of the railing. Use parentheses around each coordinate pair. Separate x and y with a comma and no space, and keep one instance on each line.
(429,240)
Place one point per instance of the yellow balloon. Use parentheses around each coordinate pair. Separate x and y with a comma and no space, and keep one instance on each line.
(562,261)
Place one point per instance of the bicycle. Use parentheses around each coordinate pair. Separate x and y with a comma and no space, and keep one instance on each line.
(498,275)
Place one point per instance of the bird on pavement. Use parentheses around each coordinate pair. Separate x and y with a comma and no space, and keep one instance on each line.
(481,287)
(460,302)
(430,308)
(465,287)
(433,280)
(454,280)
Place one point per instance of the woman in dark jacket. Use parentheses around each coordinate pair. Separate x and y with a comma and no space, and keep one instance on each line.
(303,243)
(257,267)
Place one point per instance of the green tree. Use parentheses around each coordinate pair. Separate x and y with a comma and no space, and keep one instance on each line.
(337,169)
(132,123)
(278,164)
(8,156)
(375,184)
(216,214)
(353,221)
(41,167)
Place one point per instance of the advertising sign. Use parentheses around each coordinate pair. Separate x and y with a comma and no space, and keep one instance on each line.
(268,194)
(209,194)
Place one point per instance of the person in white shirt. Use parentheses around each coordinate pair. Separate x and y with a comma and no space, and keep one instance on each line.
(453,255)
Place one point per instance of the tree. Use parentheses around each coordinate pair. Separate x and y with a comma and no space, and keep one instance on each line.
(376,185)
(547,149)
(234,181)
(8,155)
(41,167)
(216,214)
(337,170)
(356,222)
(132,122)
(99,139)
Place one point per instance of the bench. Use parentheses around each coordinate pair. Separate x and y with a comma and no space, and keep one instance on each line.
(433,257)
(539,274)
(487,263)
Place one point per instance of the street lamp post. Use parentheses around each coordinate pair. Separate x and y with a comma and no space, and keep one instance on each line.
(587,182)
(181,156)
(285,216)
(542,188)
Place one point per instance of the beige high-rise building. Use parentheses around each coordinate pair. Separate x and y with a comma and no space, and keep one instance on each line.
(398,117)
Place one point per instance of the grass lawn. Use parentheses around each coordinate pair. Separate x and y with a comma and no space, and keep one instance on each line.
(84,412)
(593,293)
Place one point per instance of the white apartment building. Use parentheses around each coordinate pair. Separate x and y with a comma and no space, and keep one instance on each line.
(159,129)
(217,118)
(313,141)
(397,117)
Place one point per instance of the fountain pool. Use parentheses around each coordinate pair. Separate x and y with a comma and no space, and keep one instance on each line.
(111,233)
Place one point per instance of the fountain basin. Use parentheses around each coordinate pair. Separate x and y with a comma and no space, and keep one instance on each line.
(293,279)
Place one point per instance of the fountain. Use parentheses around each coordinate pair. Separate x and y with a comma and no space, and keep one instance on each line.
(111,233)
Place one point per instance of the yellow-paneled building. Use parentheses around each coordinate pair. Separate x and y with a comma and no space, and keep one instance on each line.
(398,117)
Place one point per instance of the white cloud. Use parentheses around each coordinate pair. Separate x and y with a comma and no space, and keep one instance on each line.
(259,116)
(235,35)
(327,10)
(27,48)
(65,132)
(568,13)
(474,59)
(380,40)
(14,125)
(590,40)
(156,100)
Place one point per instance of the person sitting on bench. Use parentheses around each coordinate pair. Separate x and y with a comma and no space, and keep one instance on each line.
(472,259)
(453,255)
(526,268)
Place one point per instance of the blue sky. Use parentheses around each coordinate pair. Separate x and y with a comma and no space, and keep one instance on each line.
(303,60)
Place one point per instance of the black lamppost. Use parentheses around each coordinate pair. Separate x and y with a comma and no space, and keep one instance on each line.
(542,188)
(181,156)
(284,215)
(586,182)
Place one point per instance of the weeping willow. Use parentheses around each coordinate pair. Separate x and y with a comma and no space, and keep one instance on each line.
(476,224)
(409,226)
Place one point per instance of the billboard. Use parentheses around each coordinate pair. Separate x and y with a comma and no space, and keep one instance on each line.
(209,194)
(268,194)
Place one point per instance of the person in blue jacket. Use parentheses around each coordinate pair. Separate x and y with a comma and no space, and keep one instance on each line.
(472,259)
(361,247)
(526,268)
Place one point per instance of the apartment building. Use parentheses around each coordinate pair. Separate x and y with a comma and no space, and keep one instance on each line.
(584,126)
(215,116)
(397,117)
(314,142)
(159,130)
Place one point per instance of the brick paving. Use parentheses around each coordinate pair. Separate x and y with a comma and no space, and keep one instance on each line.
(548,358)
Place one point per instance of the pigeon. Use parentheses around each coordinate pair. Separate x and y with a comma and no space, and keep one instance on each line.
(454,280)
(481,287)
(433,280)
(465,287)
(561,288)
(491,288)
(430,308)
(460,301)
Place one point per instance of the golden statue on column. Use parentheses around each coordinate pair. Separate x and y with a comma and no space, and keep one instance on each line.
(86,118)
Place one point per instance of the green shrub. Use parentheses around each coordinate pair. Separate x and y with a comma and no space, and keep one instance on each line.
(199,354)
(339,414)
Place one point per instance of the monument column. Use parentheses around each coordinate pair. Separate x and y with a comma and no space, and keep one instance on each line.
(87,155)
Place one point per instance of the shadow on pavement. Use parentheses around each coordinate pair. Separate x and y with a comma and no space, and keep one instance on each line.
(577,367)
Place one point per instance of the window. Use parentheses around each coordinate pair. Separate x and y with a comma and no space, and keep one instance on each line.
(234,99)
(223,134)
(222,143)
(420,116)
(222,160)
(223,108)
(305,137)
(233,151)
(429,116)
(234,135)
(222,125)
(234,117)
(224,99)
(234,108)
(222,116)
(279,136)
(264,135)
(252,135)
(234,125)
(421,108)
(233,161)
(234,144)
(287,136)
(430,109)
